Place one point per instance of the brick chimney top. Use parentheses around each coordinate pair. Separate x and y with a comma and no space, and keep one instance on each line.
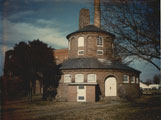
(84,18)
(97,13)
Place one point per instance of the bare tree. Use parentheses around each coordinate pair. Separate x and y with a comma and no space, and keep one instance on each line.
(136,26)
(148,81)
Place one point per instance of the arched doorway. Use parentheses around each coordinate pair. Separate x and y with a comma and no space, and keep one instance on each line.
(110,86)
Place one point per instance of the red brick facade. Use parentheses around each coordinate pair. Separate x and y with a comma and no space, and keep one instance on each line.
(72,93)
(91,91)
(90,45)
(60,55)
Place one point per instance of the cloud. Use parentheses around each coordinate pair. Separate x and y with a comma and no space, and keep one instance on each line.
(21,31)
(14,32)
(21,14)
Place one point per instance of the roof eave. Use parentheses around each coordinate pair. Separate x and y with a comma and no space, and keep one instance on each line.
(113,36)
(136,71)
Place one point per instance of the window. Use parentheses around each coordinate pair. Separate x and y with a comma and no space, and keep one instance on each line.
(125,79)
(81,42)
(112,46)
(81,97)
(137,80)
(79,78)
(91,78)
(100,41)
(67,78)
(10,56)
(99,52)
(132,79)
(81,87)
(80,52)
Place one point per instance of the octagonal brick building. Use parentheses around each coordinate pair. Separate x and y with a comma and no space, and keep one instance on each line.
(91,71)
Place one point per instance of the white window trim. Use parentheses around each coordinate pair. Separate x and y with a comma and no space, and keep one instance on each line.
(101,51)
(95,78)
(127,79)
(132,77)
(112,46)
(97,41)
(79,51)
(77,80)
(81,43)
(137,80)
(81,100)
(65,81)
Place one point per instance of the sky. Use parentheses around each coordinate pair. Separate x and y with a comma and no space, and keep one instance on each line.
(50,21)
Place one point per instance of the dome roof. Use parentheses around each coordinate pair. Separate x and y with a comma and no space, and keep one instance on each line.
(95,63)
(91,28)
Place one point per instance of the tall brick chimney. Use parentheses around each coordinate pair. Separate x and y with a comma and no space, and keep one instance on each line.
(84,18)
(97,13)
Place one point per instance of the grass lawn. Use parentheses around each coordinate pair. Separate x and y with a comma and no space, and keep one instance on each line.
(144,108)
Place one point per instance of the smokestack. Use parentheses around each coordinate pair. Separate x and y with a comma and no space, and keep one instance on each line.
(97,13)
(84,18)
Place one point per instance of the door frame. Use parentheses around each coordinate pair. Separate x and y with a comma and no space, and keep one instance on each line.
(105,85)
(85,92)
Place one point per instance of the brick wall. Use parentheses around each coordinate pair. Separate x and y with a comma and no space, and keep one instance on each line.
(72,93)
(84,18)
(90,45)
(60,55)
(91,93)
(101,77)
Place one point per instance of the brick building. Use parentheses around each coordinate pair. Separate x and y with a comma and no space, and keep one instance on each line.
(89,68)
(60,55)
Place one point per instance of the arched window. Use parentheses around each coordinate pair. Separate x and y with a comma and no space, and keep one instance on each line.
(100,41)
(132,79)
(67,78)
(79,78)
(81,42)
(137,80)
(125,79)
(91,78)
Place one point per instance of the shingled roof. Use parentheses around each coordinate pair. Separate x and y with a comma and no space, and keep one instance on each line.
(90,28)
(94,63)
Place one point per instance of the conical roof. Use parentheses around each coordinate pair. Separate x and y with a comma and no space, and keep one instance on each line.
(90,28)
(95,63)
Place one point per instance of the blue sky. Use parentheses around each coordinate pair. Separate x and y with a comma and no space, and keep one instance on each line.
(48,20)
